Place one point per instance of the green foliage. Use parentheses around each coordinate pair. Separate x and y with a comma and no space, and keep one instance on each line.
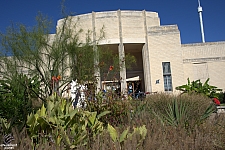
(144,130)
(184,111)
(221,97)
(125,135)
(109,58)
(208,112)
(6,126)
(119,110)
(16,96)
(175,114)
(65,53)
(198,87)
(63,125)
(42,56)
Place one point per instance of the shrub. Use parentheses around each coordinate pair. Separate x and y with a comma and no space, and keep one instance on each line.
(186,111)
(62,126)
(198,87)
(16,96)
(208,134)
(119,109)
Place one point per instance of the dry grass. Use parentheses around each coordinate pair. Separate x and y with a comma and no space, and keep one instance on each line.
(209,135)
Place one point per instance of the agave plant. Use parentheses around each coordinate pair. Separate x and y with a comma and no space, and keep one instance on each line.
(175,115)
(178,113)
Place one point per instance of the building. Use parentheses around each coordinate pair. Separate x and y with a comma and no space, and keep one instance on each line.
(163,63)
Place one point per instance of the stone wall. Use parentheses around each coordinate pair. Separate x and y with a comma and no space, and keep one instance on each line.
(164,45)
(160,44)
(205,60)
(132,23)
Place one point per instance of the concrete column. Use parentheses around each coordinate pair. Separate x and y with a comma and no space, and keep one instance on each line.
(146,58)
(122,59)
(122,70)
(96,58)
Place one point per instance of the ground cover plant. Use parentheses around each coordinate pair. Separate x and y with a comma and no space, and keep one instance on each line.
(146,128)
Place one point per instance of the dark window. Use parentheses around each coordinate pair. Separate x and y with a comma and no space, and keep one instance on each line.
(167,76)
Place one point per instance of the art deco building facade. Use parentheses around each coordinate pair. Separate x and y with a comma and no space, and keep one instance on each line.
(163,63)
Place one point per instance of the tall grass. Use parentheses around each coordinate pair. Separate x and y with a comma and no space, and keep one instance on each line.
(194,134)
(207,134)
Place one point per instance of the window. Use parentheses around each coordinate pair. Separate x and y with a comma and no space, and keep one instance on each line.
(167,76)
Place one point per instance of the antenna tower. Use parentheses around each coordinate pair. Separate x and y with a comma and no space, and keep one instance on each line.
(201,22)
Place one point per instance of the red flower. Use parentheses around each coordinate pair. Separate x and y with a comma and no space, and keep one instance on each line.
(58,77)
(216,101)
(111,68)
(54,78)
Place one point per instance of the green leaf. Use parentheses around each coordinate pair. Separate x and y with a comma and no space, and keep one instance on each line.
(123,136)
(72,113)
(208,112)
(113,133)
(92,117)
(43,111)
(31,119)
(58,139)
(50,106)
(65,137)
(103,114)
(62,105)
(143,131)
(43,123)
(52,120)
(6,126)
(72,146)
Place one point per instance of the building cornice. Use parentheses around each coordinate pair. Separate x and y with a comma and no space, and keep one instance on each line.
(203,44)
(209,59)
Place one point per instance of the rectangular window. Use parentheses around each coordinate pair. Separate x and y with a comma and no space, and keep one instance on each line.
(167,76)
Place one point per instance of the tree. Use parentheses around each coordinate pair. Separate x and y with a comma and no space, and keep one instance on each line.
(55,58)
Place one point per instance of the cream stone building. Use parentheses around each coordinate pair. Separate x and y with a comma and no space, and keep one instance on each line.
(163,63)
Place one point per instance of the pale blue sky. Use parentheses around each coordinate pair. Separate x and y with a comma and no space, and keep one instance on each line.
(181,12)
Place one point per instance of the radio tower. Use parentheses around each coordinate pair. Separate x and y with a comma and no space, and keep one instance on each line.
(201,22)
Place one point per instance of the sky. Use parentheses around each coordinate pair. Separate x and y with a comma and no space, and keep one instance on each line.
(180,12)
